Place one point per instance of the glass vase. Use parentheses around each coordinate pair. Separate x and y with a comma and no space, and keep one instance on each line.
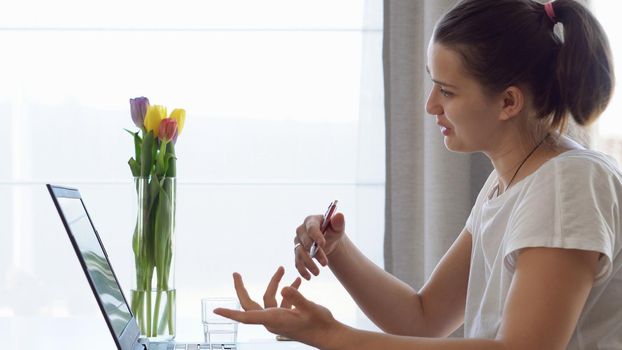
(153,297)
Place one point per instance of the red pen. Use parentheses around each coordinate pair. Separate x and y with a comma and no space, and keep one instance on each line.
(327,216)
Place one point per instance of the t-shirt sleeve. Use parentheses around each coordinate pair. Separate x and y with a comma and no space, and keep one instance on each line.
(570,203)
(469,222)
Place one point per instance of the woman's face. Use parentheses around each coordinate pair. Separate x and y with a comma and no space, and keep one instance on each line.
(467,117)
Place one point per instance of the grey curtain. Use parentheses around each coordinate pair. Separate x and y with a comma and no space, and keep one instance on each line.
(429,190)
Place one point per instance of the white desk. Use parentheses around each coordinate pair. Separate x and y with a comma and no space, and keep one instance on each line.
(38,332)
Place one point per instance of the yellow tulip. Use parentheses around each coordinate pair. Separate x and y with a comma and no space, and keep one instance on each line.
(154,116)
(179,114)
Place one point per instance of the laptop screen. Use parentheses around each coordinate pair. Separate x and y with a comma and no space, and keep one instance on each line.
(97,265)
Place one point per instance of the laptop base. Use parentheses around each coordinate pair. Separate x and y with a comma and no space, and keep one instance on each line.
(190,346)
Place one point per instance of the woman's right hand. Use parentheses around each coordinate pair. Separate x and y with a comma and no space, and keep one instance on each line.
(309,232)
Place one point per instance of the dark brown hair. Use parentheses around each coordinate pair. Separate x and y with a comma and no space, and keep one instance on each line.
(512,42)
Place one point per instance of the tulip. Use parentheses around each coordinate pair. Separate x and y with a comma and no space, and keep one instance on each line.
(154,117)
(179,114)
(168,129)
(138,107)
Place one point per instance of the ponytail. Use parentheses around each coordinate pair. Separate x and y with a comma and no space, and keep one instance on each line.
(584,67)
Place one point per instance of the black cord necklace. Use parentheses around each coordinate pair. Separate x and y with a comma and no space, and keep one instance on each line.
(496,189)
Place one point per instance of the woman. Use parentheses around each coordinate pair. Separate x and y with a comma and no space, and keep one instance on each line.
(538,263)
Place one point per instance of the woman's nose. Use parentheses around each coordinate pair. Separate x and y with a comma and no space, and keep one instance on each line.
(432,106)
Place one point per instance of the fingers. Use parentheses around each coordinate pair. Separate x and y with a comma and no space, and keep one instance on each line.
(248,317)
(245,300)
(269,297)
(312,226)
(308,233)
(304,264)
(321,257)
(286,304)
(297,282)
(295,298)
(291,294)
(337,223)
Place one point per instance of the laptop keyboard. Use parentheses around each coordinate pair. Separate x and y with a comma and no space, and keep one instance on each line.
(204,347)
(164,346)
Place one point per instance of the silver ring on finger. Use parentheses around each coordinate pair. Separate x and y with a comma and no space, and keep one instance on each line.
(297,245)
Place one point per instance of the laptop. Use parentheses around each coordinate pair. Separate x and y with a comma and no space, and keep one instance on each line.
(102,279)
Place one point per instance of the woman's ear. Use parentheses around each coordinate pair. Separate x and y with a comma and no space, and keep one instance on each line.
(513,102)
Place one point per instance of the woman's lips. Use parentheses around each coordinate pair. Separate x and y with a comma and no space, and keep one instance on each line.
(445,130)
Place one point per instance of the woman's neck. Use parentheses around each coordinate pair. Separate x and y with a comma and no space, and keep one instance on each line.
(515,160)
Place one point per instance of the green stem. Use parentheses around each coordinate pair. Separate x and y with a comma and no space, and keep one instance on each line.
(140,315)
(156,313)
(135,303)
(170,312)
(165,315)
(149,312)
(143,319)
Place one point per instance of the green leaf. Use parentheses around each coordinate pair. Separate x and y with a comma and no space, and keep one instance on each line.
(154,150)
(136,242)
(162,238)
(147,156)
(164,232)
(134,167)
(160,161)
(137,143)
(171,170)
(158,244)
(169,164)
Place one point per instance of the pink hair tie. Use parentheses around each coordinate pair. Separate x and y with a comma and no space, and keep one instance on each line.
(550,12)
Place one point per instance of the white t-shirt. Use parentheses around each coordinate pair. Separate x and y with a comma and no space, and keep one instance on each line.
(572,201)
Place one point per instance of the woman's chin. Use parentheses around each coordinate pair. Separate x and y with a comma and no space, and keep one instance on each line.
(454,145)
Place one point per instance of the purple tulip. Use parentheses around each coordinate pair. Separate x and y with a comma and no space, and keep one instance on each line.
(138,107)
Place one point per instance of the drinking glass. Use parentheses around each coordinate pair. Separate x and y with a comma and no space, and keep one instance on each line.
(218,330)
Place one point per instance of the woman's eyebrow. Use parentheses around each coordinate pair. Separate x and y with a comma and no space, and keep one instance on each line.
(427,69)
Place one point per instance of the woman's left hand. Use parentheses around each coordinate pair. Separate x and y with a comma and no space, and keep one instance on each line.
(306,321)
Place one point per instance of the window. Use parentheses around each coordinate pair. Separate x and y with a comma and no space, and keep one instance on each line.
(608,130)
(284,105)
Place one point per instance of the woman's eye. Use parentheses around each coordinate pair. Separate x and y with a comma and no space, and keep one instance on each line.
(445,92)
